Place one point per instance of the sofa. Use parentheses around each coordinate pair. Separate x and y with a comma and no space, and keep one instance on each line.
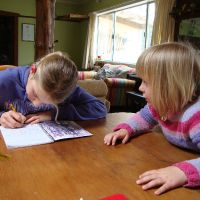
(117,88)
(97,88)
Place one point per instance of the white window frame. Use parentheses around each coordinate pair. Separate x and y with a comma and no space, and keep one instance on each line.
(133,4)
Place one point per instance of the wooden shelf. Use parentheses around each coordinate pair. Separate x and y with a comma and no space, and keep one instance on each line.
(73,17)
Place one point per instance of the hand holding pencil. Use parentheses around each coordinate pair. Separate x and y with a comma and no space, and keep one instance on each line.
(12,118)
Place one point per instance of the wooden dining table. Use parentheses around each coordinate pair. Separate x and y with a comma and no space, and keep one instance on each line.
(87,169)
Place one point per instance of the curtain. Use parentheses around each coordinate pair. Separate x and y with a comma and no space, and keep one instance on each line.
(89,54)
(163,28)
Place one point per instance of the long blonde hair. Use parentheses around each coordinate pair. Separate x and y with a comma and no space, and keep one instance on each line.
(57,75)
(173,73)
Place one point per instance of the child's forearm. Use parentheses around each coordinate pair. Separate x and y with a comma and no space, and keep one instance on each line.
(191,168)
(139,122)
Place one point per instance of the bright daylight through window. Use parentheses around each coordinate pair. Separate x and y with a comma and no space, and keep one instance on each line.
(123,34)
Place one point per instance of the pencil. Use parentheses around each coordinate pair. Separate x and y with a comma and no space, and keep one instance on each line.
(12,107)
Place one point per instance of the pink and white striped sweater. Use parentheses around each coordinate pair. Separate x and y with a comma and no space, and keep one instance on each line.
(182,130)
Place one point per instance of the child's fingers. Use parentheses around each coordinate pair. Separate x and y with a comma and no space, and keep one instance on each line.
(147,179)
(29,119)
(44,116)
(32,119)
(23,118)
(108,138)
(18,117)
(12,120)
(153,183)
(126,138)
(162,189)
(7,124)
(147,173)
(114,139)
(35,121)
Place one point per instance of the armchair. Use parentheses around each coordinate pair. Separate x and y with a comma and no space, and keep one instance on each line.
(117,88)
(97,88)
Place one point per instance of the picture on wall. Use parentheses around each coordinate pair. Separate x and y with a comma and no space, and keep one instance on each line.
(28,32)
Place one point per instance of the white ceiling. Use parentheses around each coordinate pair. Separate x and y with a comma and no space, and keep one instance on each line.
(75,1)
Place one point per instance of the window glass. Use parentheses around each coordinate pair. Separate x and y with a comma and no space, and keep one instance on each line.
(124,34)
(129,39)
(105,34)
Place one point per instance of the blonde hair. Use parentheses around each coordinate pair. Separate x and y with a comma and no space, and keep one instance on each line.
(57,75)
(173,73)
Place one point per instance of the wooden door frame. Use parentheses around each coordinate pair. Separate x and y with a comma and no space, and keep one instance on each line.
(15,33)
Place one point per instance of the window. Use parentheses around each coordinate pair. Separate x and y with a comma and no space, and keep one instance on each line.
(123,34)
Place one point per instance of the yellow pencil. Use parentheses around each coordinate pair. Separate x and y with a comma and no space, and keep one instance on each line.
(12,107)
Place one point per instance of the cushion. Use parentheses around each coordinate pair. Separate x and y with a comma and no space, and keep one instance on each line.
(82,75)
(97,88)
(120,83)
(114,71)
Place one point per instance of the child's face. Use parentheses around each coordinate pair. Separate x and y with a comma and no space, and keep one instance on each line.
(36,94)
(145,89)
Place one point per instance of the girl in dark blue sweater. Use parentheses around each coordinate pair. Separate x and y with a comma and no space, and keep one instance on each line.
(45,91)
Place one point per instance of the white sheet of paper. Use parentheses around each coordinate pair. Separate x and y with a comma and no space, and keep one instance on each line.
(27,136)
(45,132)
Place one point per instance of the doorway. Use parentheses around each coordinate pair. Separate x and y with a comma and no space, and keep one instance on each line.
(8,38)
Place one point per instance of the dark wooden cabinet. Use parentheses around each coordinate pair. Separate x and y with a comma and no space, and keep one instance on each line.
(137,80)
(187,21)
(134,99)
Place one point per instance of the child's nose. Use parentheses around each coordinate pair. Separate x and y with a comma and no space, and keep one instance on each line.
(141,88)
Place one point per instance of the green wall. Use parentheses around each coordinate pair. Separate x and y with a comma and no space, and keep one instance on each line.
(71,36)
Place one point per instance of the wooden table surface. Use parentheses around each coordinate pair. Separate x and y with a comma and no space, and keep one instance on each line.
(85,167)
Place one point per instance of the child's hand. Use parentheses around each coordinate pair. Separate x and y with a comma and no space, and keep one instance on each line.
(167,178)
(38,117)
(111,138)
(12,119)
